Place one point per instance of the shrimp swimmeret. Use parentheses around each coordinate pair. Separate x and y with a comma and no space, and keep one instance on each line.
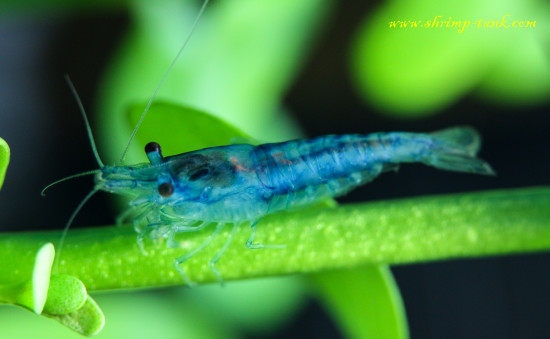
(241,183)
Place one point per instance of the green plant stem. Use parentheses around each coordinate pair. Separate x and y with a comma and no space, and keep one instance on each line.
(317,239)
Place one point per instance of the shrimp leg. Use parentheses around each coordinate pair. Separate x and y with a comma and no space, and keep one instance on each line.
(180,260)
(212,263)
(124,216)
(254,246)
(175,229)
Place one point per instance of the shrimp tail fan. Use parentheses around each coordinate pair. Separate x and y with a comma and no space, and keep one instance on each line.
(455,149)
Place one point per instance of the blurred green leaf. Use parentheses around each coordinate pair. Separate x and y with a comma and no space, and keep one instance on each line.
(167,314)
(258,306)
(411,72)
(4,160)
(365,301)
(237,65)
(521,76)
(181,129)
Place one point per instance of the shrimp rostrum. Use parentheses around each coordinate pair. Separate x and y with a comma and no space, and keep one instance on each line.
(239,184)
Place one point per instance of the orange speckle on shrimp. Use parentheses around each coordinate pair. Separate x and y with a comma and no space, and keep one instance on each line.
(235,162)
(278,156)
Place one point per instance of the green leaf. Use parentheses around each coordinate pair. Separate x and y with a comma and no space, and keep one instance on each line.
(181,129)
(65,295)
(88,320)
(4,160)
(418,71)
(523,76)
(41,276)
(69,304)
(365,301)
(32,293)
(238,64)
(60,296)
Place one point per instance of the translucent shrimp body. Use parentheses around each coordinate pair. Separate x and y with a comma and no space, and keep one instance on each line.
(241,183)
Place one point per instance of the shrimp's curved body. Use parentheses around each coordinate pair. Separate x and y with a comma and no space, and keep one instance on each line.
(241,183)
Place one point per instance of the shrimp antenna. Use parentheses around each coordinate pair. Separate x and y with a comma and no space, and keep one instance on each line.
(69,223)
(90,137)
(43,193)
(163,79)
(88,128)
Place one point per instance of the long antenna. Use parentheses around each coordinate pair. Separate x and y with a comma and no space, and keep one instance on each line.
(90,137)
(88,128)
(66,229)
(43,193)
(163,79)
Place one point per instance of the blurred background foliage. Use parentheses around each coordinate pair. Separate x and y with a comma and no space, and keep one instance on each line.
(412,72)
(277,70)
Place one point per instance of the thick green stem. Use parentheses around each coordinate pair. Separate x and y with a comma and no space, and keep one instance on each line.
(388,232)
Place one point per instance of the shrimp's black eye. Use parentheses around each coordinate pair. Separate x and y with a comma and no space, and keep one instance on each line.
(152,147)
(199,174)
(166,189)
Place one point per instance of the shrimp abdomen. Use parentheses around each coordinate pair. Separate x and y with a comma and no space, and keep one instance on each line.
(302,171)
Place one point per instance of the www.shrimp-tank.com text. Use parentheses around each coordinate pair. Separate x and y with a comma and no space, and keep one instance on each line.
(438,22)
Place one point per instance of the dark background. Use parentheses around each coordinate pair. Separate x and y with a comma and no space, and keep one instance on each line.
(505,297)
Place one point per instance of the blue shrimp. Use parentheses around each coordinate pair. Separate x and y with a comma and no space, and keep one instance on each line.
(241,183)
